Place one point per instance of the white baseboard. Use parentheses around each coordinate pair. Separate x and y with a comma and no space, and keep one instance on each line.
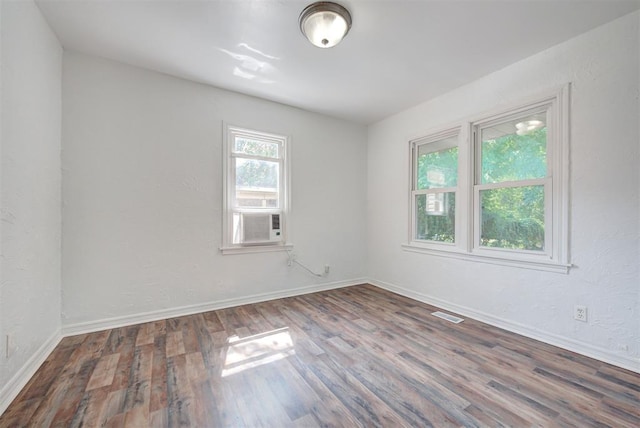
(601,354)
(11,390)
(108,323)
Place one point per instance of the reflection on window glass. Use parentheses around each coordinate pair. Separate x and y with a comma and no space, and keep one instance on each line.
(256,183)
(514,150)
(435,217)
(513,218)
(256,173)
(437,169)
(256,148)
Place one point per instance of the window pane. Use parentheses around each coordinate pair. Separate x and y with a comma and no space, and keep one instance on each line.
(514,150)
(257,183)
(257,148)
(435,217)
(437,169)
(513,218)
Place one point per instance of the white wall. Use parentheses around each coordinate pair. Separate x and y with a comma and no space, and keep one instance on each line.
(30,228)
(602,66)
(142,195)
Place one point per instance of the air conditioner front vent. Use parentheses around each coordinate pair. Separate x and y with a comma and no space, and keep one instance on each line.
(260,228)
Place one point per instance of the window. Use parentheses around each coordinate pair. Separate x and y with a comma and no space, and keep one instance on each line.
(255,196)
(508,204)
(435,181)
(512,179)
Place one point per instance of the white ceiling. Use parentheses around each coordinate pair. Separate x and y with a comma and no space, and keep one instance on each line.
(398,53)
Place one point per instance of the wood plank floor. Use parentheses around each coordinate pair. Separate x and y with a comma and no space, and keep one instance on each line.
(357,356)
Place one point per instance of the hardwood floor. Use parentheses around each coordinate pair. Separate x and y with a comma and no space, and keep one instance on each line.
(357,356)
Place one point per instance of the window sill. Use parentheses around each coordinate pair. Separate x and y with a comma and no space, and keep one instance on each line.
(543,265)
(249,249)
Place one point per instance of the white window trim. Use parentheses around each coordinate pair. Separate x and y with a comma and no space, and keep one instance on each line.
(556,257)
(228,203)
(413,161)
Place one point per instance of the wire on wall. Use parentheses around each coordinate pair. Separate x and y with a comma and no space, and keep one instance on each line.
(292,259)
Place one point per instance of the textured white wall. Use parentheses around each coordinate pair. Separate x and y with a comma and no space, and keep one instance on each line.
(142,193)
(30,227)
(602,66)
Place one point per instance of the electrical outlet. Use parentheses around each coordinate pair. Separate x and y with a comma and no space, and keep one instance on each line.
(8,346)
(326,269)
(291,258)
(580,313)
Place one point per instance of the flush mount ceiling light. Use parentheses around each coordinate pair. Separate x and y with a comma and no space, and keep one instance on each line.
(325,23)
(528,126)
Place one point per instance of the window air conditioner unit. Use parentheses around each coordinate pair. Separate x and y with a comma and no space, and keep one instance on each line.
(260,228)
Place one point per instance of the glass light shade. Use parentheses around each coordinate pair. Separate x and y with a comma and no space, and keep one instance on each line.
(325,24)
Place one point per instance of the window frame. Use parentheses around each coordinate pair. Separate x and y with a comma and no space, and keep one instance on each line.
(414,146)
(546,182)
(229,208)
(555,257)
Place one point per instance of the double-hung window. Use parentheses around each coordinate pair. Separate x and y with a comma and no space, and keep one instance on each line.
(507,202)
(434,187)
(512,189)
(256,191)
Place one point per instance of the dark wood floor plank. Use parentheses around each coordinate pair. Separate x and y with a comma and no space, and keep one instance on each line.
(328,409)
(364,404)
(158,399)
(90,408)
(295,396)
(179,393)
(189,336)
(357,357)
(466,388)
(139,387)
(116,340)
(208,402)
(63,393)
(409,402)
(146,334)
(111,412)
(159,418)
(272,314)
(104,372)
(212,321)
(15,415)
(175,344)
(159,328)
(40,383)
(74,394)
(125,346)
(230,319)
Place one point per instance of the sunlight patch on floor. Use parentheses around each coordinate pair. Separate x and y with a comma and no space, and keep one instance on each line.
(257,350)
